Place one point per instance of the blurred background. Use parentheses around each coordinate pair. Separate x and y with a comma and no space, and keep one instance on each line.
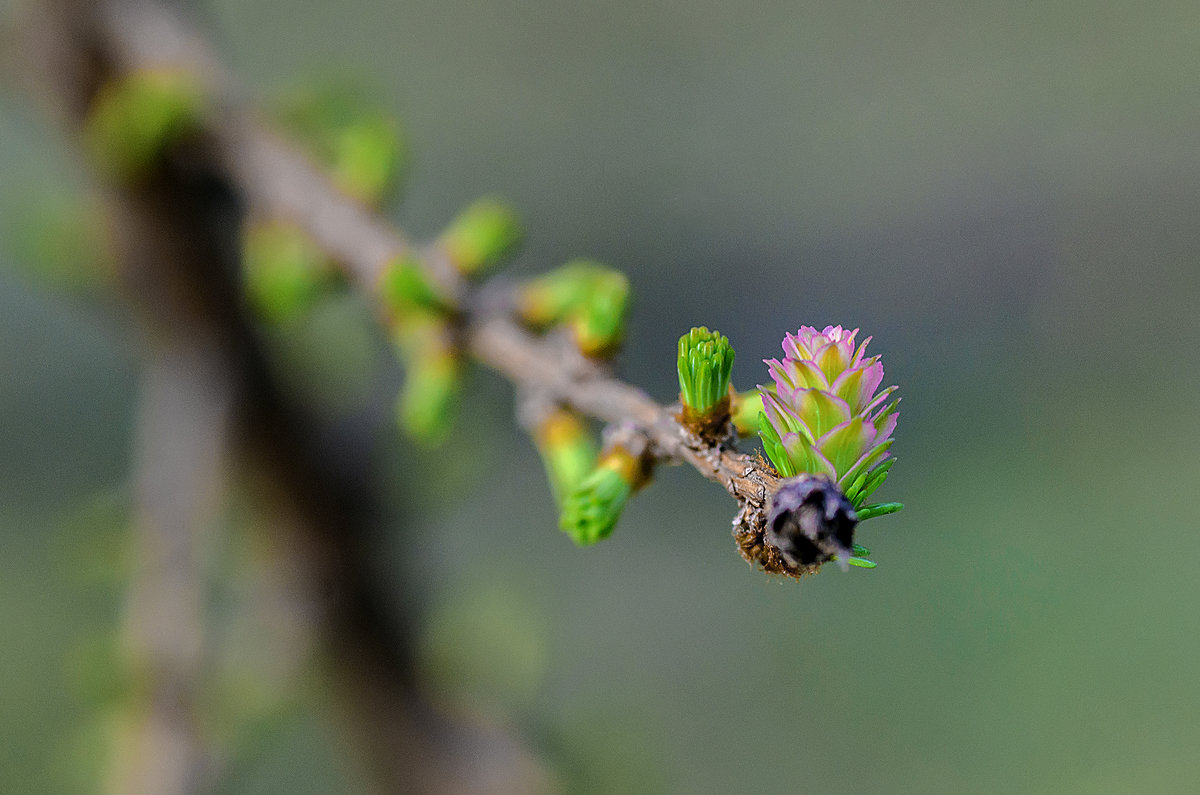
(1005,195)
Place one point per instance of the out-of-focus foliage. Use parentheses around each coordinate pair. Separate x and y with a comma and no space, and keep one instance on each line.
(481,236)
(136,117)
(62,243)
(361,146)
(432,379)
(589,298)
(284,271)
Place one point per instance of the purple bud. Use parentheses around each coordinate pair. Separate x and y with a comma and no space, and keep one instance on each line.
(811,521)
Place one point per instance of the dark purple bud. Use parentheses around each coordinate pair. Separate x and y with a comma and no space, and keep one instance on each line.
(811,521)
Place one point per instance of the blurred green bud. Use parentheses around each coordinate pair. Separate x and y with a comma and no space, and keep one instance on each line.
(367,158)
(704,365)
(362,147)
(432,381)
(405,288)
(599,322)
(136,117)
(285,272)
(481,236)
(62,241)
(567,450)
(591,510)
(744,410)
(549,298)
(590,298)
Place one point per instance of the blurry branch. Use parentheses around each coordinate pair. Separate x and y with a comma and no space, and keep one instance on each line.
(182,442)
(278,181)
(209,380)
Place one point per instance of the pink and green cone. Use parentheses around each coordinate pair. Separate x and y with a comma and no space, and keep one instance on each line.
(826,415)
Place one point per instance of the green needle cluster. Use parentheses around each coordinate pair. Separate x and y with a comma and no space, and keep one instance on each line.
(360,145)
(591,510)
(859,559)
(878,509)
(863,484)
(705,363)
(567,450)
(588,297)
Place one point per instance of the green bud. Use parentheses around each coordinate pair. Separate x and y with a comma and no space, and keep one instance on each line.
(405,288)
(285,272)
(590,298)
(567,450)
(361,146)
(704,364)
(481,236)
(367,159)
(591,510)
(135,118)
(599,322)
(429,396)
(551,297)
(744,410)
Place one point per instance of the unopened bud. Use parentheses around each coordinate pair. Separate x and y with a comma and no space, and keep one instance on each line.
(591,510)
(704,365)
(137,116)
(811,522)
(481,236)
(567,449)
(284,271)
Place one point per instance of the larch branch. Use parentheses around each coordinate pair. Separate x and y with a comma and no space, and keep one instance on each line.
(277,180)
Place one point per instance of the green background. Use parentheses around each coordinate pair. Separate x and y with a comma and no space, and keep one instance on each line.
(1005,195)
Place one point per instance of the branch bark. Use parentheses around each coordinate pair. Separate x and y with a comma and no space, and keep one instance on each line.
(182,445)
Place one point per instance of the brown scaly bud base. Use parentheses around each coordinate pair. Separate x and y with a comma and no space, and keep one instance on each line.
(712,425)
(749,535)
(809,523)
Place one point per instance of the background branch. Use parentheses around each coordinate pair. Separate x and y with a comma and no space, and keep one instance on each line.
(178,232)
(181,448)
